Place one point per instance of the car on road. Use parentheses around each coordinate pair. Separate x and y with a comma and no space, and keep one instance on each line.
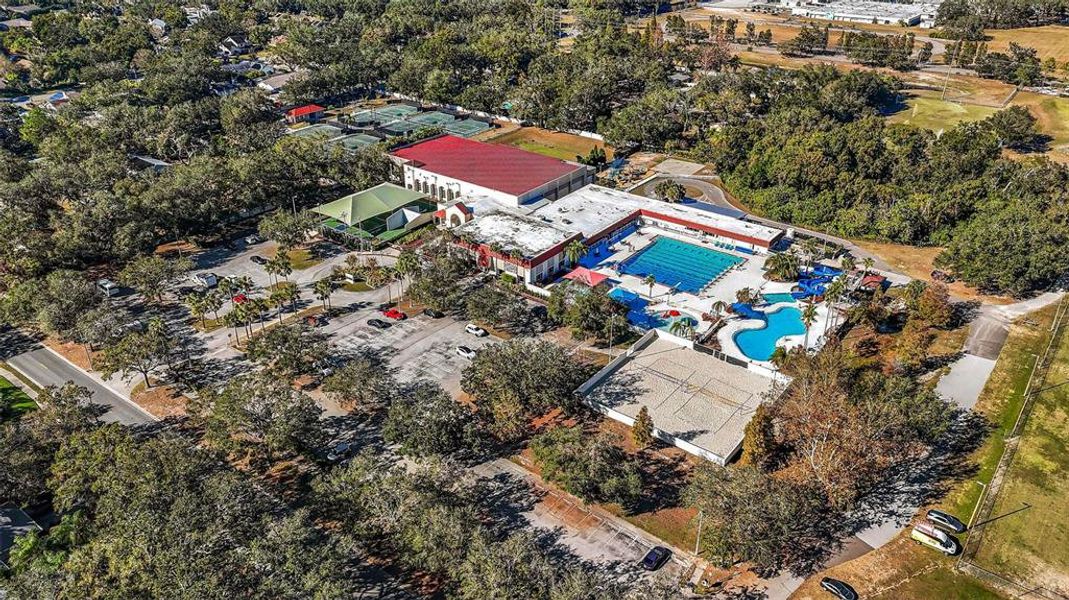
(929,535)
(316,320)
(434,314)
(256,258)
(839,589)
(946,521)
(465,352)
(378,323)
(655,558)
(393,313)
(475,330)
(253,239)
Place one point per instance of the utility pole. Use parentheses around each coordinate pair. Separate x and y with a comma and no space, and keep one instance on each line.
(950,66)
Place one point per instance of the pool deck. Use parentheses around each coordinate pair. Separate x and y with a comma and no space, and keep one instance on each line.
(748,274)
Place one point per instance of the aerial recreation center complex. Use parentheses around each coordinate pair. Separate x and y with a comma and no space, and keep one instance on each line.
(676,267)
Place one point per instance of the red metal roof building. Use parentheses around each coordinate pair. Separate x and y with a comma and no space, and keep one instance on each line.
(449,167)
(308,112)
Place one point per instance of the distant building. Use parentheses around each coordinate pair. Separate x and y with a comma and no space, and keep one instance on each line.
(139,162)
(24,10)
(869,11)
(158,27)
(309,113)
(10,24)
(234,45)
(448,168)
(275,83)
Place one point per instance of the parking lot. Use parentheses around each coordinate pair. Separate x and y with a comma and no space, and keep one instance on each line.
(418,347)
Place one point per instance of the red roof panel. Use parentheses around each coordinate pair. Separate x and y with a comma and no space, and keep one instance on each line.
(307,109)
(497,167)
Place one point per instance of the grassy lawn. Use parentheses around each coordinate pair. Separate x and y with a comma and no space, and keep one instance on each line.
(1032,546)
(302,258)
(13,399)
(932,113)
(564,146)
(359,286)
(904,570)
(1048,40)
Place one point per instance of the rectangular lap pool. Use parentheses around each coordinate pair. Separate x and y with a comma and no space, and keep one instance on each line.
(674,263)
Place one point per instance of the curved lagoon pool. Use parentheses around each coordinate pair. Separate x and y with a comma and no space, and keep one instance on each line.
(759,344)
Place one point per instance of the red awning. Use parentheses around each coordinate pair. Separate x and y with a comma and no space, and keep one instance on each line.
(671,313)
(586,276)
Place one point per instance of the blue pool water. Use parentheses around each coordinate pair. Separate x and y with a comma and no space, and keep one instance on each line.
(781,297)
(759,344)
(676,263)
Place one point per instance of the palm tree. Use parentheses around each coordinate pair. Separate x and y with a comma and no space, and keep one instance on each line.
(574,251)
(233,319)
(323,289)
(650,280)
(867,263)
(782,266)
(227,287)
(198,306)
(809,316)
(832,295)
(682,327)
(407,265)
(245,283)
(847,263)
(718,308)
(213,301)
(258,306)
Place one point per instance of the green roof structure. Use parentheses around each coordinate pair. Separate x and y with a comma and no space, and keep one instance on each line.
(368,204)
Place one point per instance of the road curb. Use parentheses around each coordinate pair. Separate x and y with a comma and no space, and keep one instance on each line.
(103,383)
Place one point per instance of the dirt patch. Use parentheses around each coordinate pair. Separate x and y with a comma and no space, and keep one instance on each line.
(75,353)
(919,262)
(160,400)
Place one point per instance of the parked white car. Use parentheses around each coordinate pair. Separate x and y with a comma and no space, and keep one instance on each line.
(205,281)
(465,352)
(475,330)
(107,287)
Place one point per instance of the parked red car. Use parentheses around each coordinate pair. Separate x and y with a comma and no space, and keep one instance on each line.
(393,313)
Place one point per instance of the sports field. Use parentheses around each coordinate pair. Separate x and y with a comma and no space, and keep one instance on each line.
(1026,535)
(939,115)
(564,146)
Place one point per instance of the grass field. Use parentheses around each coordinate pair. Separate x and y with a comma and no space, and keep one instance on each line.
(1032,546)
(939,115)
(904,570)
(564,146)
(925,109)
(13,401)
(302,258)
(1050,41)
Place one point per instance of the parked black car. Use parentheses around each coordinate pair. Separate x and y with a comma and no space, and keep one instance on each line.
(655,558)
(839,589)
(378,323)
(945,520)
(256,258)
(434,314)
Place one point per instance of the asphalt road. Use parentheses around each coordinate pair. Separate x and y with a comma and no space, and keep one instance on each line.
(44,367)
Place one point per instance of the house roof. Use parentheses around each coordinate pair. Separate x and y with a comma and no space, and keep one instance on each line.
(307,109)
(873,281)
(363,205)
(586,276)
(492,166)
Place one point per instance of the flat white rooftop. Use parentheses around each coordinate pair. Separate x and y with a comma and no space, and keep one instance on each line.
(593,208)
(513,232)
(697,400)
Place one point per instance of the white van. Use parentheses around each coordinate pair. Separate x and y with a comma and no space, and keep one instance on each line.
(927,534)
(205,281)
